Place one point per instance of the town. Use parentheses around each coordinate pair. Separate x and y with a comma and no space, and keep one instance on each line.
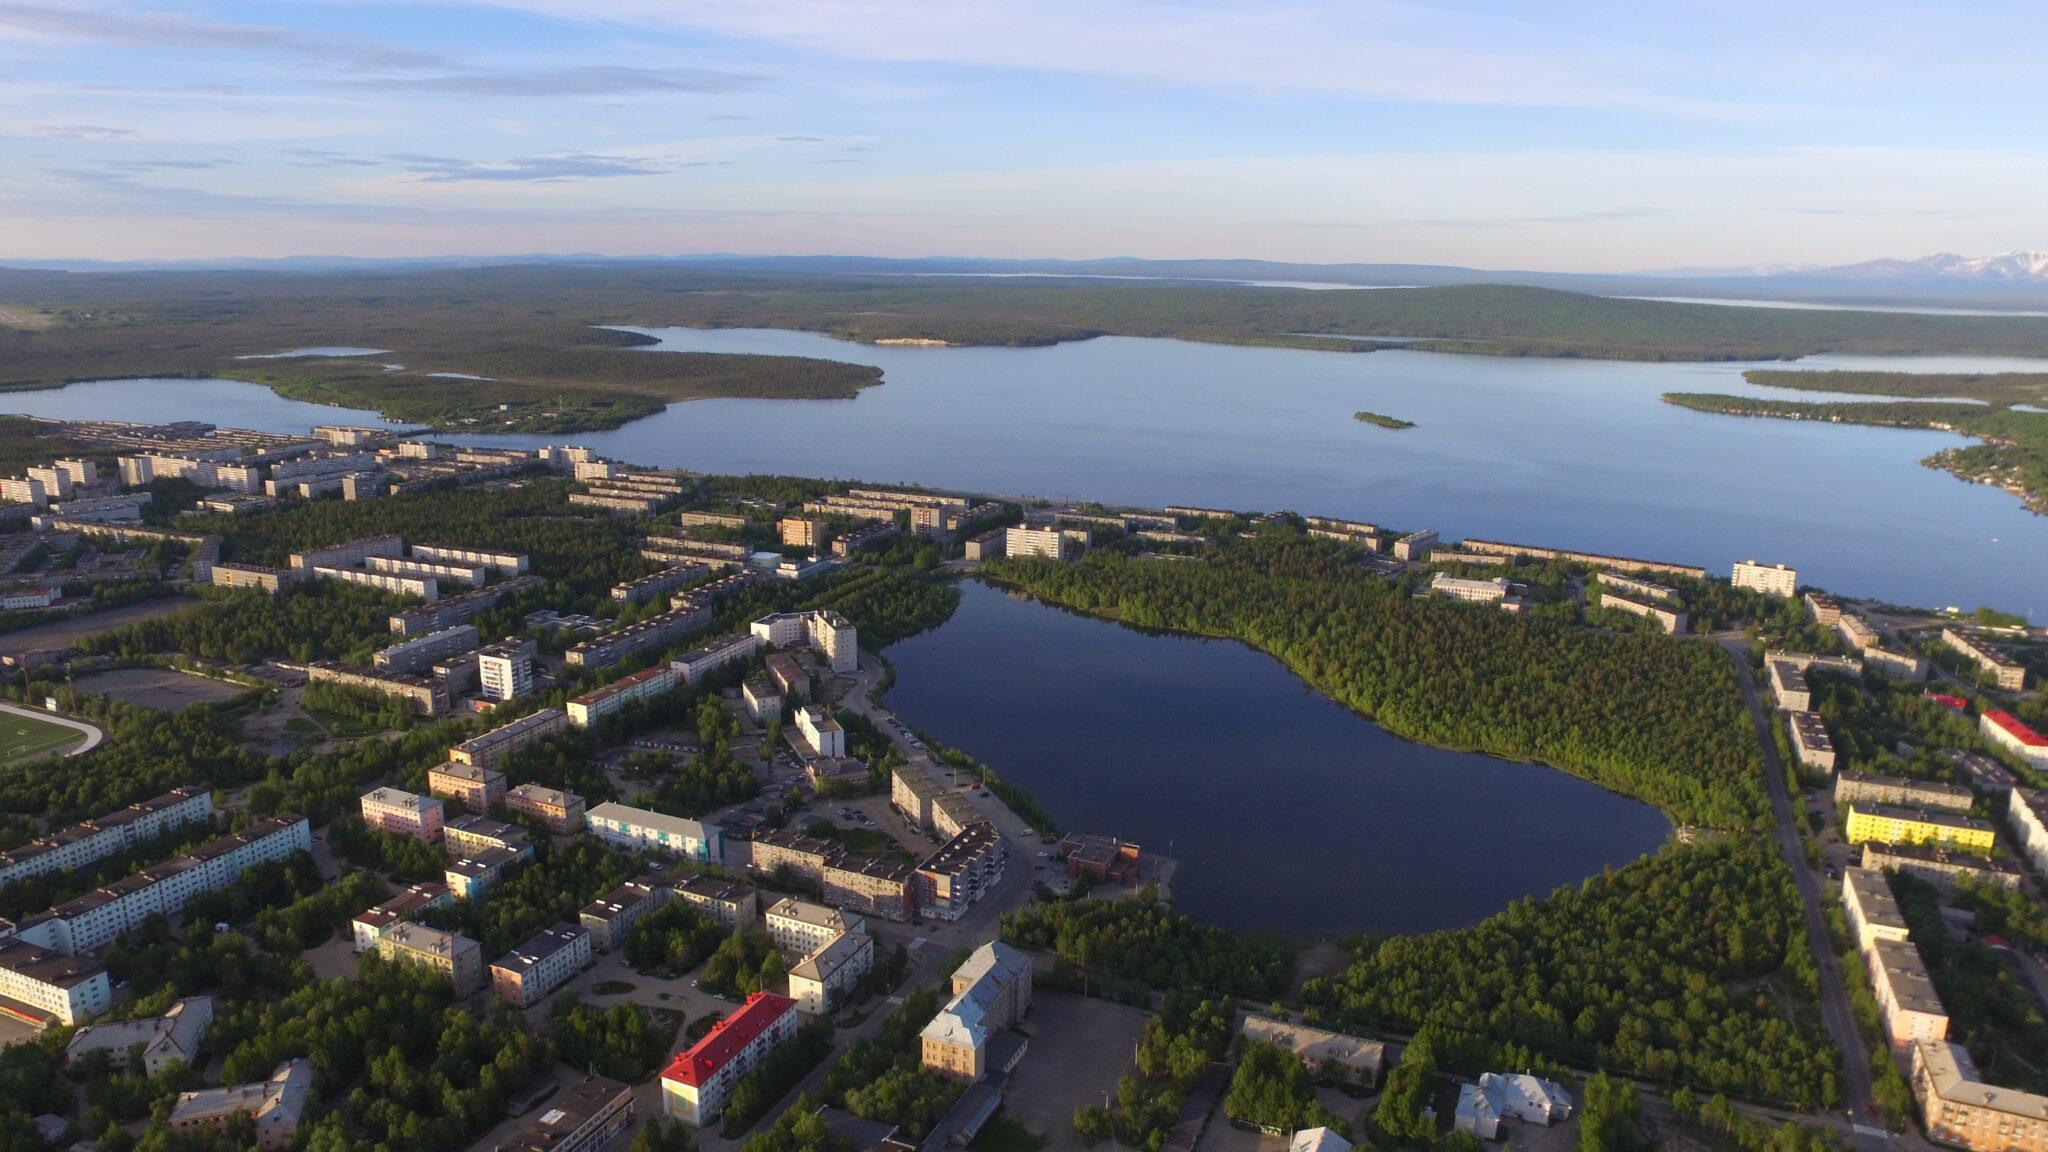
(626,797)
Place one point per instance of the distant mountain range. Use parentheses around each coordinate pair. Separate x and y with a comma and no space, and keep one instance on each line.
(2008,281)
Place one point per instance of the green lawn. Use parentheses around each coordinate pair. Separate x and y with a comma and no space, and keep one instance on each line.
(24,739)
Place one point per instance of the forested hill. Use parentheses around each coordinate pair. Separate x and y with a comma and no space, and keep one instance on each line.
(1649,716)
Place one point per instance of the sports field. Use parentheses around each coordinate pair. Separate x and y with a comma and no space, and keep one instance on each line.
(24,739)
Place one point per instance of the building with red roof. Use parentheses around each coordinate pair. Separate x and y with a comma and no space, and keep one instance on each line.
(2011,733)
(1954,703)
(700,1080)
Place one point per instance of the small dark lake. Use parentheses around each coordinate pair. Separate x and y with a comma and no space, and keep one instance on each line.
(1287,812)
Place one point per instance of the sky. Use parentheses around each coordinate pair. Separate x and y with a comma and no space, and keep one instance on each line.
(1552,135)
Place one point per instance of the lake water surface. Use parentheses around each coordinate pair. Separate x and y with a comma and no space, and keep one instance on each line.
(1575,454)
(1286,811)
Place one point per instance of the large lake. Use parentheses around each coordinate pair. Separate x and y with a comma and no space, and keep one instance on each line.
(1577,454)
(1286,811)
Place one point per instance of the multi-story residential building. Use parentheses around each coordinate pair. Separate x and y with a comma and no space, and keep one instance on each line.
(1640,589)
(653,632)
(269,580)
(964,868)
(156,1041)
(1416,545)
(347,555)
(1494,591)
(39,986)
(449,611)
(427,697)
(695,1088)
(1670,619)
(2007,672)
(592,707)
(1857,632)
(763,702)
(557,811)
(404,813)
(658,584)
(467,575)
(846,544)
(2012,734)
(609,919)
(505,563)
(1939,867)
(912,790)
(457,957)
(1903,792)
(1887,824)
(1788,686)
(426,589)
(505,669)
(1769,579)
(2027,811)
(987,546)
(820,732)
(1870,908)
(470,835)
(471,875)
(1810,740)
(822,980)
(492,748)
(20,490)
(90,922)
(637,828)
(789,676)
(1025,540)
(1984,774)
(423,651)
(104,836)
(403,908)
(1908,666)
(1827,611)
(698,663)
(473,786)
(802,532)
(523,976)
(802,927)
(991,993)
(617,500)
(593,1114)
(710,520)
(274,1106)
(1963,1110)
(729,902)
(826,632)
(1905,994)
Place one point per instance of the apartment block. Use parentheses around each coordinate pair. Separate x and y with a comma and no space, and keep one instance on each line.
(820,732)
(40,987)
(1909,666)
(658,584)
(348,555)
(473,835)
(637,828)
(457,957)
(156,1042)
(802,927)
(423,651)
(467,575)
(592,707)
(729,902)
(991,993)
(403,813)
(1938,866)
(428,697)
(824,631)
(2012,734)
(1902,792)
(696,1086)
(506,563)
(557,811)
(92,921)
(1963,1110)
(1826,610)
(653,632)
(1788,686)
(2008,673)
(593,1115)
(987,546)
(2027,811)
(1870,908)
(274,1106)
(789,676)
(523,976)
(846,544)
(1857,632)
(698,663)
(492,748)
(103,836)
(1024,540)
(404,908)
(871,887)
(1639,589)
(609,919)
(1416,545)
(710,520)
(763,702)
(473,874)
(424,588)
(1669,619)
(1887,824)
(1984,774)
(1810,740)
(821,981)
(1769,579)
(476,788)
(963,870)
(449,611)
(1905,994)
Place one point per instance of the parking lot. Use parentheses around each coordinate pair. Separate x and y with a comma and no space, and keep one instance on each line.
(1079,1049)
(164,688)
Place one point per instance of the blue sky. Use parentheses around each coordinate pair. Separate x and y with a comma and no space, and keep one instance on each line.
(1544,135)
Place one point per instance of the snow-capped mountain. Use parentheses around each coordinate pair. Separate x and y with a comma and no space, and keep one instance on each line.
(2006,267)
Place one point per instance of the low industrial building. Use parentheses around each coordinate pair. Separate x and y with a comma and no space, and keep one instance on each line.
(1356,1060)
(1099,858)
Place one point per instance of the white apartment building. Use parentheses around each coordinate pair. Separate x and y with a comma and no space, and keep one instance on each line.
(821,731)
(1492,591)
(2027,811)
(824,631)
(509,563)
(173,1036)
(698,663)
(409,655)
(1873,913)
(1022,540)
(468,574)
(592,707)
(1769,579)
(822,980)
(636,828)
(103,836)
(426,589)
(403,908)
(802,927)
(505,669)
(39,986)
(696,1086)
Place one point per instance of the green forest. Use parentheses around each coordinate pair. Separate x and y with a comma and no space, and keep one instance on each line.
(1656,718)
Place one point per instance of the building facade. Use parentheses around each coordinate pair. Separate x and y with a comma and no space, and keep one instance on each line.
(696,1086)
(525,975)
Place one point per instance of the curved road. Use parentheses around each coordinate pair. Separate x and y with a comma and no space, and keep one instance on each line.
(93,735)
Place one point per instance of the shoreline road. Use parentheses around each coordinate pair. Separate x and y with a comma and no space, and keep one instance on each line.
(1834,997)
(93,735)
